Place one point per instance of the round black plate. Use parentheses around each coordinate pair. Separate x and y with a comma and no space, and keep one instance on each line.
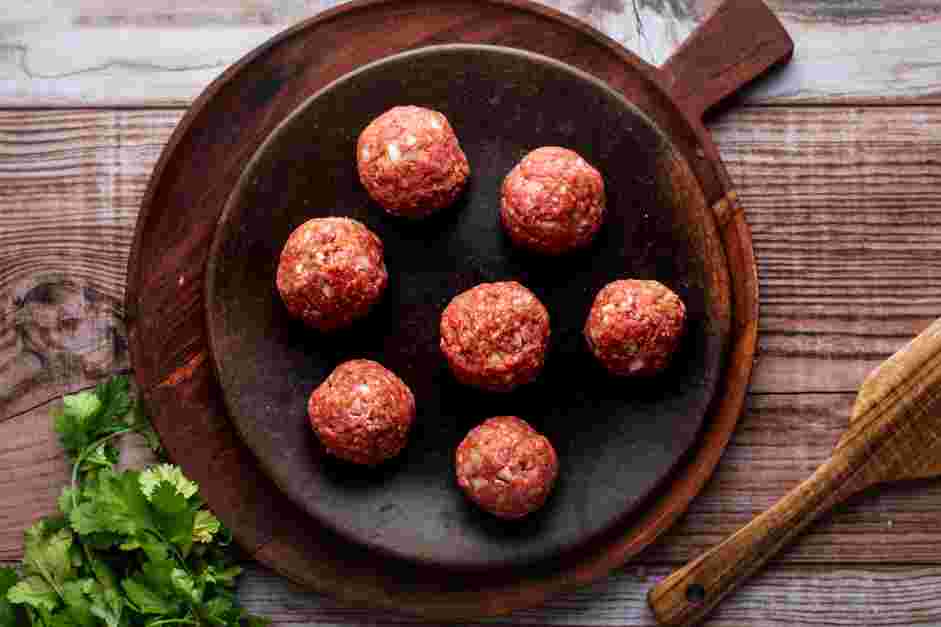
(617,439)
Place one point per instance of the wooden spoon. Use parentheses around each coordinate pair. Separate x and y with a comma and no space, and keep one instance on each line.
(894,433)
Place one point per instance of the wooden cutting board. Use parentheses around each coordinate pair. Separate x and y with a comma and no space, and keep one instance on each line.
(205,158)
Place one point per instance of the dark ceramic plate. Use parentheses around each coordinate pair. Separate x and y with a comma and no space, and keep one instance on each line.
(617,440)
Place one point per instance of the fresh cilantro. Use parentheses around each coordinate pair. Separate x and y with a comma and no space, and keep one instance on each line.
(48,554)
(165,473)
(113,503)
(88,416)
(34,591)
(205,526)
(131,548)
(75,422)
(10,615)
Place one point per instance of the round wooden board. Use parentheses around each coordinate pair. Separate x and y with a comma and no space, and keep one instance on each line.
(200,167)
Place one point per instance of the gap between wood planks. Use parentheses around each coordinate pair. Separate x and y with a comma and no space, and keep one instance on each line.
(782,595)
(711,117)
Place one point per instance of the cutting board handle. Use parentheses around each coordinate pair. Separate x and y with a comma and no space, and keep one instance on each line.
(737,44)
(686,596)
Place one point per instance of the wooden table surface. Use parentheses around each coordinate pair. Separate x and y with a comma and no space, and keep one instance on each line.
(838,163)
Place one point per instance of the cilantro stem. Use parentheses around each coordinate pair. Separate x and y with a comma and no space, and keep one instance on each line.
(170,621)
(85,453)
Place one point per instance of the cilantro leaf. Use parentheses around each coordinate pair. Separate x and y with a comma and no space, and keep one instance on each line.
(72,422)
(205,526)
(68,498)
(77,604)
(88,416)
(114,503)
(185,586)
(102,540)
(114,394)
(101,456)
(152,591)
(174,516)
(220,610)
(59,619)
(166,499)
(34,591)
(167,473)
(104,574)
(10,616)
(47,553)
(147,601)
(224,611)
(132,548)
(8,579)
(107,605)
(155,549)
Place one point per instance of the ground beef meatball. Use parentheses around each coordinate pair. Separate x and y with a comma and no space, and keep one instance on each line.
(495,335)
(331,272)
(552,201)
(410,161)
(362,412)
(634,327)
(506,467)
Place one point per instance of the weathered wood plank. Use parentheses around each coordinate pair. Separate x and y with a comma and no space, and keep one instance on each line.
(843,204)
(780,441)
(106,52)
(70,187)
(781,596)
(33,471)
(785,596)
(844,209)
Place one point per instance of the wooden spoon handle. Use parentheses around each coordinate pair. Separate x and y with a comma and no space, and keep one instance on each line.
(687,595)
(738,43)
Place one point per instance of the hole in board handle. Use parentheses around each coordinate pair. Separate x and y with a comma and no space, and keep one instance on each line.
(695,593)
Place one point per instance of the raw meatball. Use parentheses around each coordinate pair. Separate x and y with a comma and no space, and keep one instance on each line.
(410,161)
(495,335)
(506,467)
(362,412)
(635,326)
(552,201)
(331,272)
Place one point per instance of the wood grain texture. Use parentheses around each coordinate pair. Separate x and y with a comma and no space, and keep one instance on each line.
(70,186)
(844,211)
(805,596)
(33,471)
(820,596)
(149,53)
(894,434)
(780,441)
